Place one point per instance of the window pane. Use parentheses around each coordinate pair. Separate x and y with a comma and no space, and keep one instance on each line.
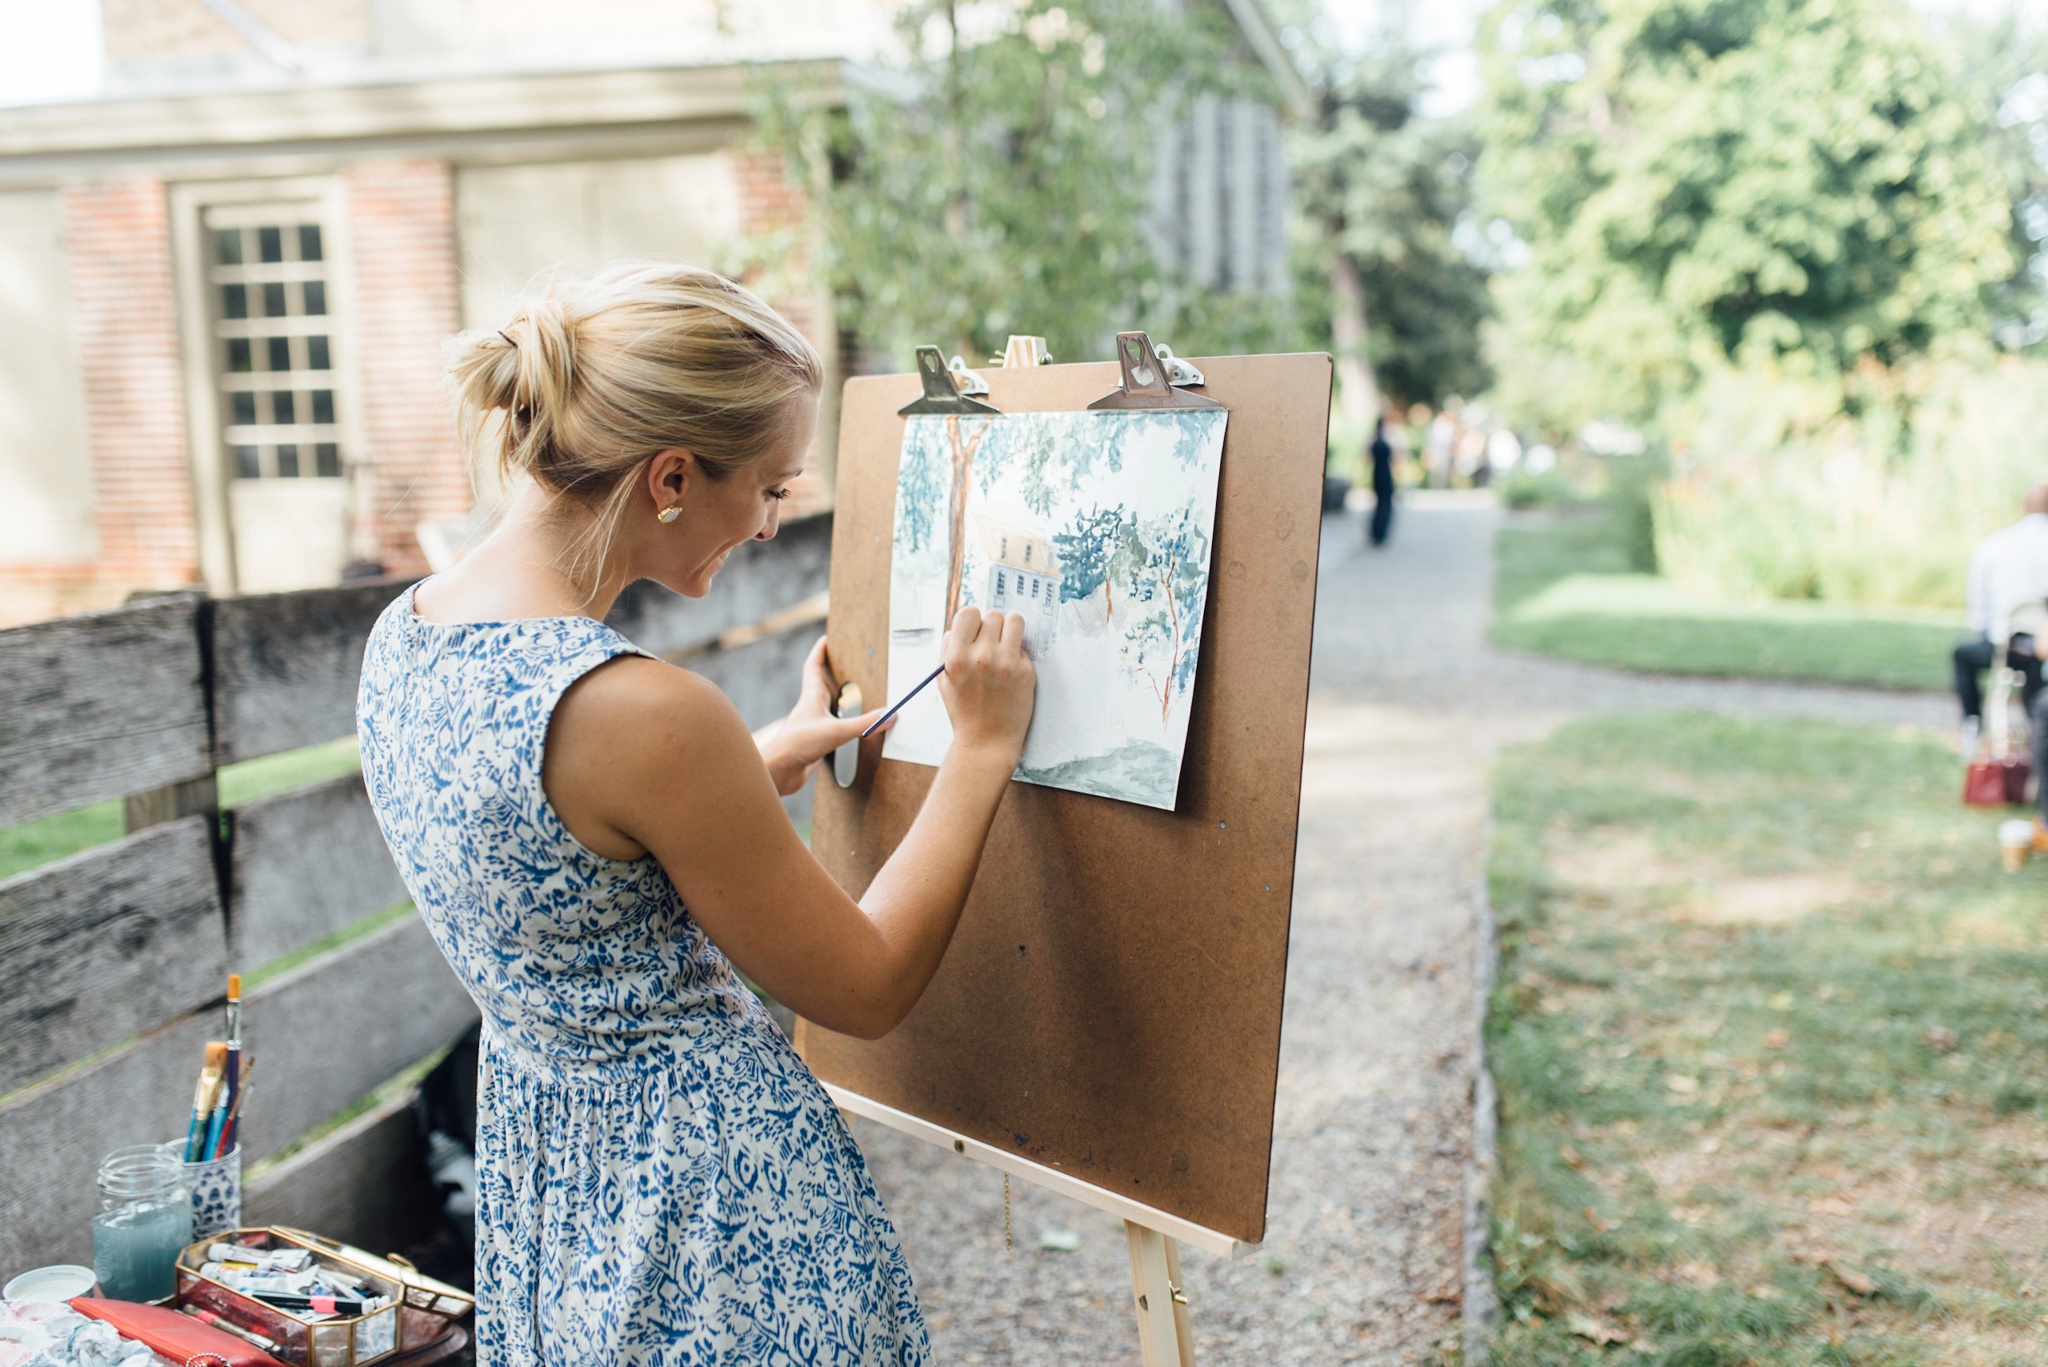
(243,406)
(287,462)
(234,301)
(327,460)
(281,406)
(238,354)
(309,242)
(316,354)
(323,405)
(270,244)
(227,246)
(280,352)
(245,463)
(273,300)
(316,297)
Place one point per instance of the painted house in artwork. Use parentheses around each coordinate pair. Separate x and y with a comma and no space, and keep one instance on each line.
(1023,577)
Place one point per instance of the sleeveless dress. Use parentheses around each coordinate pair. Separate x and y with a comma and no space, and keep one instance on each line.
(661,1180)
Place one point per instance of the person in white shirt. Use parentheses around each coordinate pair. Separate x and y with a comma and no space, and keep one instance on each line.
(2008,569)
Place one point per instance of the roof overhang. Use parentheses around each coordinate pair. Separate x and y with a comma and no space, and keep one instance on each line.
(1272,54)
(512,105)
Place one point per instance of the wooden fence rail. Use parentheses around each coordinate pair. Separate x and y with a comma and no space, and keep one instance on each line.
(112,961)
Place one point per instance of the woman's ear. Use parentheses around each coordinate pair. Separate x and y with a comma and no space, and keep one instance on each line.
(668,475)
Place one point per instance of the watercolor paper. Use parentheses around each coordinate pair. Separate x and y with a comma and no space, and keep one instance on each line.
(1095,526)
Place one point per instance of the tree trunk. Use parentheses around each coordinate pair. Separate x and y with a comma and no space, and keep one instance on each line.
(956,549)
(1358,391)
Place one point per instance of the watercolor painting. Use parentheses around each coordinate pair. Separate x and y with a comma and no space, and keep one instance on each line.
(1095,526)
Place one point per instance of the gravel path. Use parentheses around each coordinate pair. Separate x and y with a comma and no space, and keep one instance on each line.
(1365,1237)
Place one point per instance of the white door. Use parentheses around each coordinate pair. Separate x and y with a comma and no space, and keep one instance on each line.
(268,279)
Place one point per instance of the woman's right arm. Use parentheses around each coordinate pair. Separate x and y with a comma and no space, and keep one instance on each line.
(646,758)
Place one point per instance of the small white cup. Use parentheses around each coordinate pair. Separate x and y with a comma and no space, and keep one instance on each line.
(58,1282)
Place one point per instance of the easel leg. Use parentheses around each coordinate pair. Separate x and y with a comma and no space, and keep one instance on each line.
(1165,1335)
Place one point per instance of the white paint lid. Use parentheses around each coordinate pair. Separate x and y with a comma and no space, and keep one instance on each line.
(58,1283)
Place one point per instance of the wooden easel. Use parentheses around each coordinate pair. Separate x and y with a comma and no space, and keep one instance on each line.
(1158,1294)
(1105,1106)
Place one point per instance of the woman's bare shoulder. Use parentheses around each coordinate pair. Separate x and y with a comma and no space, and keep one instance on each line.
(639,697)
(636,741)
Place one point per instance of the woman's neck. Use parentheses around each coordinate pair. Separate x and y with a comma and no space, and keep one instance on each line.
(524,569)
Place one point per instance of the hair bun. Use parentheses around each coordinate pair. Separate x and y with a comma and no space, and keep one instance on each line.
(596,375)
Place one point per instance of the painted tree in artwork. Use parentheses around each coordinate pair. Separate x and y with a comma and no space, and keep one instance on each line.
(1093,549)
(935,475)
(1169,584)
(963,445)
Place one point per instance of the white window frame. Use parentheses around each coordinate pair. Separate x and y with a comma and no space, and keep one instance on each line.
(205,423)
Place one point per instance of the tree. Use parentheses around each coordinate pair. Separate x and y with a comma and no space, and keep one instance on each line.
(996,181)
(1169,587)
(1092,551)
(1702,183)
(1382,189)
(963,444)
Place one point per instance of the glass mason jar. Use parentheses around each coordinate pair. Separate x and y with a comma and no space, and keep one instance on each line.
(145,1221)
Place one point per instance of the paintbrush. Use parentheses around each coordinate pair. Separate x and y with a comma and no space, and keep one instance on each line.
(216,1139)
(882,720)
(231,1129)
(204,1097)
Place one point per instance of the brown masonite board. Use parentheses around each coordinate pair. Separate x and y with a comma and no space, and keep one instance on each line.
(1110,1005)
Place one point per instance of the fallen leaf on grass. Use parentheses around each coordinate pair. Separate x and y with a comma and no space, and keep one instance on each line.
(1941,1039)
(1572,1157)
(1699,1274)
(1830,1205)
(1596,1331)
(1681,1084)
(1598,1221)
(1848,1276)
(1777,1039)
(1692,1215)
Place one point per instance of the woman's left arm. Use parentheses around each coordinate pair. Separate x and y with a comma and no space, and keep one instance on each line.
(792,747)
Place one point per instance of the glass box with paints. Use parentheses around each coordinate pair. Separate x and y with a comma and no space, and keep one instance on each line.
(310,1302)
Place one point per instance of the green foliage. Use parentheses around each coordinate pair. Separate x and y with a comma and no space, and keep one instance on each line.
(1726,1136)
(1711,183)
(1382,185)
(1782,496)
(997,180)
(1565,587)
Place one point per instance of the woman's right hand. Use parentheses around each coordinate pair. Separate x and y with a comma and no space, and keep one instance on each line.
(989,684)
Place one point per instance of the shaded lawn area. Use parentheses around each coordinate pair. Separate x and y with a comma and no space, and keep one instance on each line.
(1771,1040)
(1563,587)
(35,843)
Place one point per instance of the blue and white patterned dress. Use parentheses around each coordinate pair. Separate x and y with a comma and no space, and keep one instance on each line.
(661,1179)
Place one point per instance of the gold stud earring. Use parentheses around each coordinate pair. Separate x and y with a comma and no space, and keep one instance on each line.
(670,513)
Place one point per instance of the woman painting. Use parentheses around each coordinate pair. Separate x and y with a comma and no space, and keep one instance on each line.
(597,845)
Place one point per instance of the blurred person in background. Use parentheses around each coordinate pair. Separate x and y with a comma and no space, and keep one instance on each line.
(1382,484)
(2008,570)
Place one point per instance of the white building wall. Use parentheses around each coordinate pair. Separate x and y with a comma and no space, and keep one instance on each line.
(46,495)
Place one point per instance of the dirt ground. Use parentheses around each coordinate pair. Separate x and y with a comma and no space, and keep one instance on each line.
(1365,1250)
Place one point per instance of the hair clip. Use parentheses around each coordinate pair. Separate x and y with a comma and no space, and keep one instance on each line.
(508,339)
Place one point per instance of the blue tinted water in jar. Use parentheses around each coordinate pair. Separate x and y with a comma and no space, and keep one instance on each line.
(145,1220)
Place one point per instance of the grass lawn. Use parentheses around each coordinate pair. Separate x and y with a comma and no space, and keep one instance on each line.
(1563,588)
(39,842)
(1771,1039)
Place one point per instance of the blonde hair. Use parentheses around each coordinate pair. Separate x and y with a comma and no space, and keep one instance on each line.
(592,377)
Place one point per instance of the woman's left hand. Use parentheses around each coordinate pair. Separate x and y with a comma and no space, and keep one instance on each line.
(793,746)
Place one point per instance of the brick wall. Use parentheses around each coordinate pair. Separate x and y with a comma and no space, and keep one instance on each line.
(402,219)
(771,201)
(120,245)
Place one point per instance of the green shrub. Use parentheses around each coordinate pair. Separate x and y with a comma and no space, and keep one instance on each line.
(1778,495)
